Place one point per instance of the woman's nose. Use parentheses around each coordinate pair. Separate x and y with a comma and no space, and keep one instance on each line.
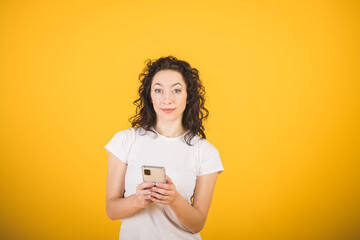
(168,98)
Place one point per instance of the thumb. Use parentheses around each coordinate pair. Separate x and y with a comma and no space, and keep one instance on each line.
(168,180)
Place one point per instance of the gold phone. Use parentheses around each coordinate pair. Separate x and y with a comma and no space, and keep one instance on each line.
(153,174)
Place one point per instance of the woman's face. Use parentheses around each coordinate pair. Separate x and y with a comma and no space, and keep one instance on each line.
(168,95)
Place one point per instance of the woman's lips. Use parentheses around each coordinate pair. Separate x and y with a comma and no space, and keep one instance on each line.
(167,110)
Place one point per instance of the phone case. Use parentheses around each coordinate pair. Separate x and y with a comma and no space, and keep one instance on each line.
(153,174)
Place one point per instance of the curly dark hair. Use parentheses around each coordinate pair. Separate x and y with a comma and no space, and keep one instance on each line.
(194,113)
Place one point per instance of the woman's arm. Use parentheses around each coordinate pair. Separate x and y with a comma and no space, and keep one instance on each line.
(118,207)
(193,216)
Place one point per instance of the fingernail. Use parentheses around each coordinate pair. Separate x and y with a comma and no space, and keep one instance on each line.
(155,184)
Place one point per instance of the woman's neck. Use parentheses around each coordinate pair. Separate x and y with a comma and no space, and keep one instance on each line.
(170,129)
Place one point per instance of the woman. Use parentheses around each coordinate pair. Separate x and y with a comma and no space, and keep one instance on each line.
(167,130)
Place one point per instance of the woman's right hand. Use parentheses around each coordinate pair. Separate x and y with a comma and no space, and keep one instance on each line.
(143,195)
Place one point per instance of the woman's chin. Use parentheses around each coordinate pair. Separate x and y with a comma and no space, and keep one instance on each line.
(168,117)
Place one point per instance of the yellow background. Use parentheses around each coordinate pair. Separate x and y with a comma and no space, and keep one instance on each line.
(283,90)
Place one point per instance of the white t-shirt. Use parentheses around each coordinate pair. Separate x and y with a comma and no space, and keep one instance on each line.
(183,163)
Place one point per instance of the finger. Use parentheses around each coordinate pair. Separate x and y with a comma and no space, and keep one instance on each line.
(159,201)
(159,196)
(169,185)
(145,185)
(168,180)
(164,186)
(160,190)
(144,192)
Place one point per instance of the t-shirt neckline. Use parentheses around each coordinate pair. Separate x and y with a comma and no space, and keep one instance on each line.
(169,138)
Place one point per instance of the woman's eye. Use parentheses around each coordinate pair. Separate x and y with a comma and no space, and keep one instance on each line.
(177,90)
(158,90)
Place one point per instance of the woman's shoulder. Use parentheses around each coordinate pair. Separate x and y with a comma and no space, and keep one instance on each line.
(132,133)
(126,132)
(209,158)
(126,135)
(206,149)
(206,145)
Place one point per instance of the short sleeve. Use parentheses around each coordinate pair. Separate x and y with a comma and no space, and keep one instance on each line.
(209,159)
(120,144)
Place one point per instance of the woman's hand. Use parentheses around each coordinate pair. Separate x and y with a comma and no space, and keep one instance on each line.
(142,195)
(164,193)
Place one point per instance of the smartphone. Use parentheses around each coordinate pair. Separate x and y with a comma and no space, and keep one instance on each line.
(153,174)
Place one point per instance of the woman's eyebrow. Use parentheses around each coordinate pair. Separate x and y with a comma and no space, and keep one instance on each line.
(171,85)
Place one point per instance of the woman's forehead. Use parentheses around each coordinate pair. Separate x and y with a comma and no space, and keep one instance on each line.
(168,78)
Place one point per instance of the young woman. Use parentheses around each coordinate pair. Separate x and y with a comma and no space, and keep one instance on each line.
(167,130)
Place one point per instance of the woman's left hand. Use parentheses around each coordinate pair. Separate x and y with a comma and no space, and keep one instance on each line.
(164,193)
